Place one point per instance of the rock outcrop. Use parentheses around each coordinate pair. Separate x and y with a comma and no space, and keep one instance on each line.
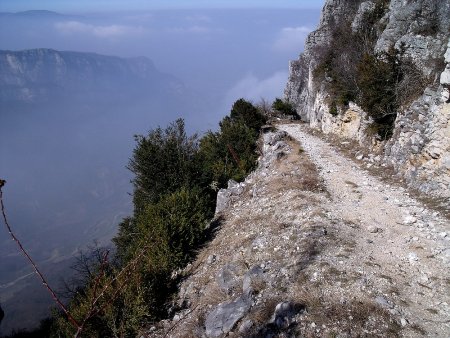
(419,31)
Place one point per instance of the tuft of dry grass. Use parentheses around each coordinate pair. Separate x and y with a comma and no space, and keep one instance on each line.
(213,296)
(356,317)
(262,313)
(418,329)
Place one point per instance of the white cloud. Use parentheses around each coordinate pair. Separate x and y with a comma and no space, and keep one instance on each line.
(254,89)
(291,39)
(143,17)
(196,29)
(110,31)
(199,18)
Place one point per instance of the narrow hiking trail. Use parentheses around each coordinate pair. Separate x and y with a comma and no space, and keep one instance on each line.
(310,245)
(394,236)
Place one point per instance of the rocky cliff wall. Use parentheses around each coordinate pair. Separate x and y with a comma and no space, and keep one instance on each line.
(418,31)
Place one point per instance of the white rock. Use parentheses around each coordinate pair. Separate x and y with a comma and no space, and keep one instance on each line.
(359,156)
(413,257)
(211,259)
(409,220)
(372,229)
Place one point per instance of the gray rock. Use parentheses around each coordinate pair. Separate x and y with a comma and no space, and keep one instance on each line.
(445,76)
(283,314)
(224,195)
(412,257)
(445,96)
(253,278)
(359,19)
(235,188)
(229,277)
(273,138)
(409,220)
(222,201)
(383,302)
(224,317)
(211,259)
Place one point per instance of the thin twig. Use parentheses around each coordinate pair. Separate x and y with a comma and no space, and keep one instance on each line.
(96,284)
(36,269)
(181,320)
(233,153)
(94,311)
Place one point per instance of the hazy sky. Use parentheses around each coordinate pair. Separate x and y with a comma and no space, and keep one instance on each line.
(87,5)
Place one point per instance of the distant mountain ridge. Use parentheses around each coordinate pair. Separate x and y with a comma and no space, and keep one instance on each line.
(34,12)
(40,74)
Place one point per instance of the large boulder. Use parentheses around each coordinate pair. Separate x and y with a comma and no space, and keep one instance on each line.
(224,317)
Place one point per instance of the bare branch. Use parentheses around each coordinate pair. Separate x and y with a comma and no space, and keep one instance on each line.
(28,257)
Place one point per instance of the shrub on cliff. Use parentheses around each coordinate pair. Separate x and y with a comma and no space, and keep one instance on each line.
(336,66)
(230,153)
(174,225)
(163,161)
(285,108)
(377,80)
(246,113)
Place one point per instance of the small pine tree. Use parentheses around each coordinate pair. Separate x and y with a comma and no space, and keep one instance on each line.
(248,114)
(284,108)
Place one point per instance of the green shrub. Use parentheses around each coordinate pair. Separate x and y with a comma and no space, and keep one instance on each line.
(229,153)
(284,108)
(174,225)
(162,162)
(246,113)
(377,79)
(336,66)
(120,311)
(333,108)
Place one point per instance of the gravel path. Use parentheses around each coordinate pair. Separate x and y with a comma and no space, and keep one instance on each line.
(400,239)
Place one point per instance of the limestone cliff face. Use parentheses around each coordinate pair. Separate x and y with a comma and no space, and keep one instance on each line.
(419,148)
